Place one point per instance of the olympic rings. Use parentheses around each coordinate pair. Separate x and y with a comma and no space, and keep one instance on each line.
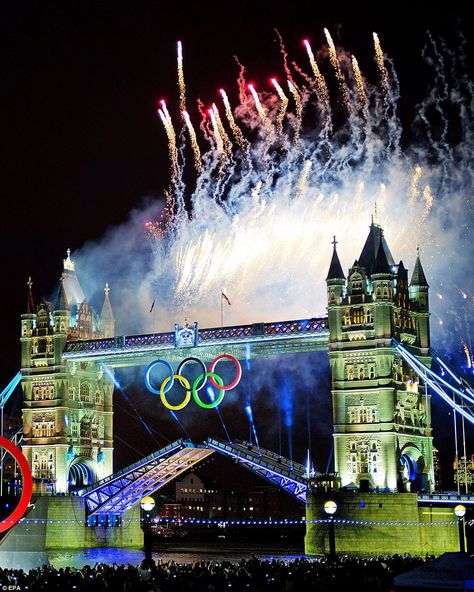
(201,363)
(215,403)
(184,382)
(238,371)
(25,498)
(200,382)
(148,384)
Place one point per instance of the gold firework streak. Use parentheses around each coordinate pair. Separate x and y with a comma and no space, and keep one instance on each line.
(181,85)
(428,199)
(360,87)
(170,134)
(381,64)
(281,112)
(337,69)
(263,116)
(414,191)
(319,78)
(217,135)
(239,138)
(225,138)
(299,110)
(194,143)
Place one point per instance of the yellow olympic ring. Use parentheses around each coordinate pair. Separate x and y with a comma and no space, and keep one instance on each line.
(184,382)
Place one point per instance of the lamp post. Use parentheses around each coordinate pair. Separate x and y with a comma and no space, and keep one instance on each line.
(330,507)
(460,512)
(147,504)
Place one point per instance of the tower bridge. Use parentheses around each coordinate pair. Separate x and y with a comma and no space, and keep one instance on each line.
(377,336)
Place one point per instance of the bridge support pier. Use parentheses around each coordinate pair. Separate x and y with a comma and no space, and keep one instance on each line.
(45,528)
(425,535)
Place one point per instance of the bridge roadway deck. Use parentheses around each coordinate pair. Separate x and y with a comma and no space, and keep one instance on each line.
(242,341)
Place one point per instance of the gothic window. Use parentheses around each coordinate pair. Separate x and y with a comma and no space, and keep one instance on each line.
(361,372)
(85,428)
(49,346)
(34,346)
(346,317)
(385,292)
(350,372)
(363,415)
(369,317)
(353,415)
(332,297)
(371,371)
(85,392)
(94,429)
(378,293)
(357,316)
(75,430)
(353,446)
(98,397)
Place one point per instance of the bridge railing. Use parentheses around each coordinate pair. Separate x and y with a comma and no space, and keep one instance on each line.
(216,334)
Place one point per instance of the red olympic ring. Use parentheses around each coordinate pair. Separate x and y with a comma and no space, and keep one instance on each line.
(27,491)
(238,372)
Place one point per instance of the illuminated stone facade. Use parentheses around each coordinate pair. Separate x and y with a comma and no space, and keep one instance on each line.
(67,409)
(381,413)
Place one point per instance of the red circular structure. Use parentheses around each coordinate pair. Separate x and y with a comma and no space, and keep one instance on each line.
(238,372)
(27,484)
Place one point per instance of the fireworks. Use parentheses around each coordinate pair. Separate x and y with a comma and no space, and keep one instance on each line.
(239,138)
(261,111)
(381,64)
(360,87)
(337,69)
(318,77)
(194,143)
(281,112)
(181,85)
(273,186)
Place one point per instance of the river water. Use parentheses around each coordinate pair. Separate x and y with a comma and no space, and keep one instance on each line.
(78,559)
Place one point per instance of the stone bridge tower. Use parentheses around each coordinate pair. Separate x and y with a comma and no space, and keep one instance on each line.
(381,411)
(67,409)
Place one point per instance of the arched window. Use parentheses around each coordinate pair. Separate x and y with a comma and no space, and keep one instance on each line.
(85,392)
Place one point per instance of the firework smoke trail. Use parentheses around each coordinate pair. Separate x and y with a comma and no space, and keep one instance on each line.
(318,77)
(337,69)
(223,134)
(299,111)
(194,142)
(359,80)
(171,135)
(239,138)
(217,135)
(263,116)
(268,239)
(381,65)
(181,85)
(281,112)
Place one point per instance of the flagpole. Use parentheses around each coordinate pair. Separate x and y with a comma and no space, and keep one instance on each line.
(222,311)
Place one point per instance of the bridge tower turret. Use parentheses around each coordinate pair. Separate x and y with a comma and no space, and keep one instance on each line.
(67,410)
(381,411)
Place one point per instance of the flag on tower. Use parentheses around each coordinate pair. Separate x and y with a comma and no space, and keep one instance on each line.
(224,296)
(152,305)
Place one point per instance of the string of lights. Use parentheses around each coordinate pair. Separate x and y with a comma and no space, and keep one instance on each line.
(282,522)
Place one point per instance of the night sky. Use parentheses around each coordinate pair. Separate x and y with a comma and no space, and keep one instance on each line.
(81,142)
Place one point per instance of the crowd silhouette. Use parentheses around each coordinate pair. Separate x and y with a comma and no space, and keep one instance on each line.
(248,575)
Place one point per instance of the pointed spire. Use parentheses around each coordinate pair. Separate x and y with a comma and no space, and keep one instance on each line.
(381,264)
(106,312)
(61,300)
(335,268)
(418,278)
(30,304)
(371,248)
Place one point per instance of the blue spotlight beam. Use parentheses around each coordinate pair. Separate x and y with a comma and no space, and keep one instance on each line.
(439,385)
(278,471)
(8,390)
